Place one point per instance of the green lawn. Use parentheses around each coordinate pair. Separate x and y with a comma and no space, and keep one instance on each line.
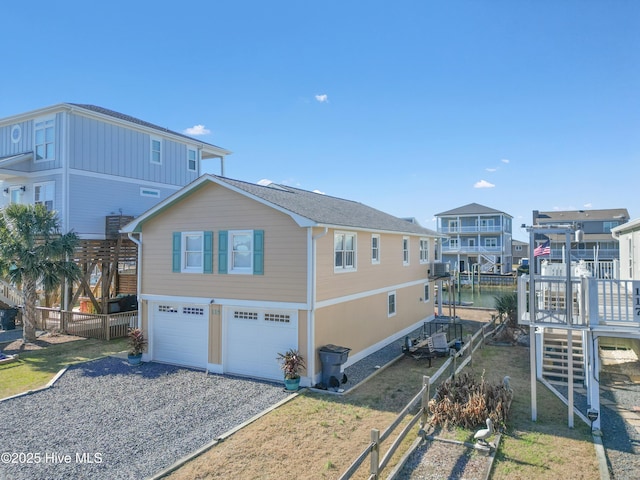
(35,368)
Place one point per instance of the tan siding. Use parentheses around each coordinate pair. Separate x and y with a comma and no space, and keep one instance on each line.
(215,334)
(214,208)
(390,270)
(358,324)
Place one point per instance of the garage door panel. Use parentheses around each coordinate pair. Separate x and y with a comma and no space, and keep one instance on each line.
(254,338)
(180,334)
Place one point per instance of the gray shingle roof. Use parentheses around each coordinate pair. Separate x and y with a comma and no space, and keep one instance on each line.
(137,121)
(472,209)
(325,209)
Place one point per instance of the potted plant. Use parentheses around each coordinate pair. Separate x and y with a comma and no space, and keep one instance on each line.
(291,362)
(137,342)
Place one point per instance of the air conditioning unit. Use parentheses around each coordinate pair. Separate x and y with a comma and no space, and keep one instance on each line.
(439,270)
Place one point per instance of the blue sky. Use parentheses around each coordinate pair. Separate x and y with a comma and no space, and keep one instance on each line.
(412,107)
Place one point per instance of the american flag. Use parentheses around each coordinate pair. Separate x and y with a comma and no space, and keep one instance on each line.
(542,249)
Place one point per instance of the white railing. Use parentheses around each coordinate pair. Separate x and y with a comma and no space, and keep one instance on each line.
(595,302)
(10,294)
(472,229)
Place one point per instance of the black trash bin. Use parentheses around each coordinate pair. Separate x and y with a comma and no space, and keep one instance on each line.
(332,358)
(8,318)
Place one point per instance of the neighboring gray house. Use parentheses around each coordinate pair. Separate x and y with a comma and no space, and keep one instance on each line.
(596,242)
(88,163)
(519,250)
(478,235)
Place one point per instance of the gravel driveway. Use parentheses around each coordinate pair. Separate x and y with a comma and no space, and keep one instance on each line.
(107,420)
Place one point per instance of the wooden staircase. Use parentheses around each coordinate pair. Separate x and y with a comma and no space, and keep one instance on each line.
(555,358)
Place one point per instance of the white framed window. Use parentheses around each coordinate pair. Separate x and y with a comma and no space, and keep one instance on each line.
(344,246)
(453,225)
(16,133)
(192,252)
(149,192)
(490,242)
(241,251)
(192,160)
(375,248)
(156,150)
(424,250)
(453,243)
(436,249)
(43,194)
(471,242)
(427,293)
(391,304)
(405,250)
(44,144)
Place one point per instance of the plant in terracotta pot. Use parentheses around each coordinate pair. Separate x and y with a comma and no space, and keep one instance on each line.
(291,362)
(137,343)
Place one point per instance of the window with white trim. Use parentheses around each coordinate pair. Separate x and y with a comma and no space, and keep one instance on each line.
(43,194)
(453,225)
(241,251)
(424,250)
(491,242)
(391,304)
(427,293)
(156,150)
(375,248)
(192,252)
(405,250)
(15,194)
(453,243)
(192,160)
(344,247)
(44,143)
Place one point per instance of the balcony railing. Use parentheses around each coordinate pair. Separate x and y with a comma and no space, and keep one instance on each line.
(595,303)
(586,254)
(472,229)
(472,249)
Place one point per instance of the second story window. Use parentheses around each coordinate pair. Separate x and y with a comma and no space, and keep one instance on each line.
(44,139)
(490,242)
(192,160)
(344,248)
(156,150)
(43,194)
(405,250)
(424,250)
(375,248)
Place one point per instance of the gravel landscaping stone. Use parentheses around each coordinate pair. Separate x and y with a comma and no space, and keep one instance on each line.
(109,420)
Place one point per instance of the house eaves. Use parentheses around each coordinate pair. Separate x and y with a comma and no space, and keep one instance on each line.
(472,209)
(306,209)
(209,150)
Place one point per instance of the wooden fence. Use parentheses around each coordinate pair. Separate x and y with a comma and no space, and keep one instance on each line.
(88,325)
(451,367)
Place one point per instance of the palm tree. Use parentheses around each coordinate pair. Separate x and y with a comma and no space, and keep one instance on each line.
(507,307)
(34,253)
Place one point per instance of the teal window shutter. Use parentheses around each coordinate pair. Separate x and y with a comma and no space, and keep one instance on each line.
(258,252)
(177,251)
(207,257)
(223,248)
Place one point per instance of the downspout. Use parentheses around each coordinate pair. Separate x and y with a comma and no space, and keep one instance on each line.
(138,242)
(311,301)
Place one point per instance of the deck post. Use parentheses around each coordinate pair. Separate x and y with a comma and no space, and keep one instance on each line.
(375,453)
(426,385)
(534,376)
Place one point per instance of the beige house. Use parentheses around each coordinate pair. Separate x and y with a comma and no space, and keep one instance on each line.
(233,273)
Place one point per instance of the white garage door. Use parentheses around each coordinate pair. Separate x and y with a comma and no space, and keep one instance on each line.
(180,334)
(254,338)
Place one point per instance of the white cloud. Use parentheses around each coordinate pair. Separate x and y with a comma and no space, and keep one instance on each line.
(505,160)
(491,169)
(196,130)
(483,184)
(323,98)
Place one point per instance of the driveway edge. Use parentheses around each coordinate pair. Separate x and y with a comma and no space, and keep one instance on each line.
(176,465)
(36,390)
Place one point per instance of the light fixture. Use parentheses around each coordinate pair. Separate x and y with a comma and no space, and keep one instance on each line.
(6,192)
(23,188)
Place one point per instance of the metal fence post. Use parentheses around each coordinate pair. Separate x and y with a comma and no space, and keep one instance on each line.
(375,453)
